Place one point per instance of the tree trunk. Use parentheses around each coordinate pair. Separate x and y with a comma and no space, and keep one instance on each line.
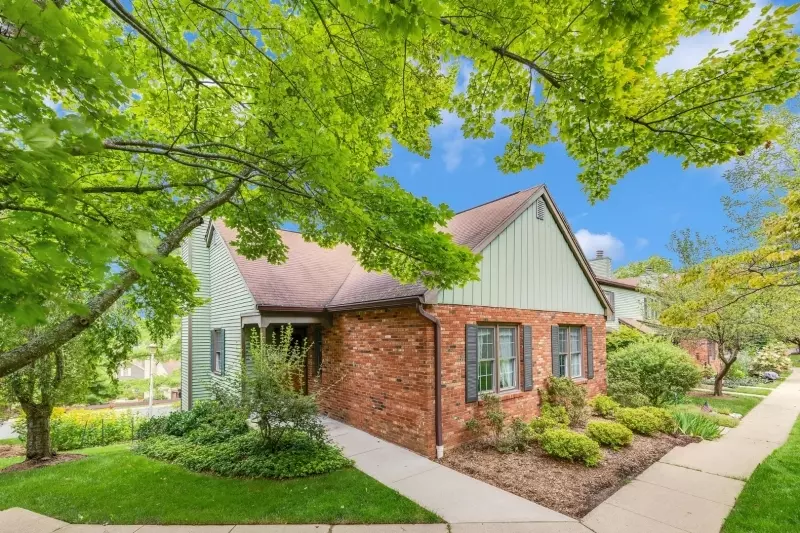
(37,444)
(718,384)
(723,371)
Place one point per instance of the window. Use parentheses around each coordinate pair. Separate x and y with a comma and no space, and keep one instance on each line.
(570,351)
(650,309)
(497,358)
(610,298)
(218,351)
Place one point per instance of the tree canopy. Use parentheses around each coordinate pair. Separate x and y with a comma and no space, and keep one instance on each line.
(123,125)
(655,264)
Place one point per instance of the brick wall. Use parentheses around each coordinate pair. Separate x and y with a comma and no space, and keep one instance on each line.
(454,318)
(377,375)
(703,351)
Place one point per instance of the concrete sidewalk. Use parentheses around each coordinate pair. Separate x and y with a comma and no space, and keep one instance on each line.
(693,488)
(456,497)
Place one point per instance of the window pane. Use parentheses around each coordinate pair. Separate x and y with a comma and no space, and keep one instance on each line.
(575,371)
(562,365)
(486,376)
(485,343)
(574,340)
(562,340)
(508,358)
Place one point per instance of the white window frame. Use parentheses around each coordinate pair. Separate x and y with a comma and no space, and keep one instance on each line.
(217,365)
(566,353)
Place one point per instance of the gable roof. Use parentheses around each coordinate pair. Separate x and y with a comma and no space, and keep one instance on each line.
(624,283)
(315,279)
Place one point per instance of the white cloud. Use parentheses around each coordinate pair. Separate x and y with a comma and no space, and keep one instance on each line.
(592,242)
(691,50)
(641,242)
(448,135)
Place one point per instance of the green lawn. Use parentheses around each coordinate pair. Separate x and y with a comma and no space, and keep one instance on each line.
(770,501)
(795,360)
(734,404)
(748,390)
(115,486)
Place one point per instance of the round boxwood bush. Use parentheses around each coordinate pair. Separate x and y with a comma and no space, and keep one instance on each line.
(666,422)
(655,370)
(611,434)
(571,445)
(604,405)
(640,420)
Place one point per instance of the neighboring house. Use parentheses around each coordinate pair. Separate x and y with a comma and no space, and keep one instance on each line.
(140,369)
(404,362)
(634,306)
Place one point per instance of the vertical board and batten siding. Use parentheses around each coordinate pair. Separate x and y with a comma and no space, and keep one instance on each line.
(195,254)
(529,266)
(230,297)
(628,303)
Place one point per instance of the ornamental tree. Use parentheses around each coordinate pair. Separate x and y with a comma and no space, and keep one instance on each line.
(123,125)
(655,264)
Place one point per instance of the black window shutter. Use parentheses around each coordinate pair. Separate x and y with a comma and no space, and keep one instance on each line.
(527,358)
(589,354)
(471,359)
(222,351)
(554,347)
(318,350)
(213,339)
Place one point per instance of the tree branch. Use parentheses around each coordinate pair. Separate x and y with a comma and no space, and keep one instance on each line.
(56,336)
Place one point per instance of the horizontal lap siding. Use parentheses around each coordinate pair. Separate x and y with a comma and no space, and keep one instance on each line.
(529,265)
(229,299)
(201,337)
(627,304)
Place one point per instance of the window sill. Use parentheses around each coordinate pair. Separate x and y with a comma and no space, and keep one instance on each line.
(580,381)
(217,373)
(507,395)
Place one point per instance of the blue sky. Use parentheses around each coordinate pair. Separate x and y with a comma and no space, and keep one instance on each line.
(642,210)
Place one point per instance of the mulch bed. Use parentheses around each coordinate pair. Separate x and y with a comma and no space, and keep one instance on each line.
(11,450)
(30,465)
(569,488)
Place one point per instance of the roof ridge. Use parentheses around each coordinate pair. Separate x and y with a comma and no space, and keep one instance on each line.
(344,280)
(498,199)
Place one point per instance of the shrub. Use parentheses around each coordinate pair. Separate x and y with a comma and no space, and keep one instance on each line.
(207,422)
(696,425)
(639,420)
(612,434)
(623,337)
(516,438)
(656,370)
(571,445)
(666,424)
(84,428)
(736,371)
(541,424)
(771,357)
(566,393)
(555,412)
(246,456)
(604,405)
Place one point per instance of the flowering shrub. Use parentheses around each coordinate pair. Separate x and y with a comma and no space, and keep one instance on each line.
(83,428)
(771,357)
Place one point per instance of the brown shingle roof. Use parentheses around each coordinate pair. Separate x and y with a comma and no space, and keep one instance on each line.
(626,283)
(313,277)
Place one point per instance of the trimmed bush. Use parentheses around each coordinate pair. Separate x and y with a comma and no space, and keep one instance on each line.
(604,405)
(565,393)
(666,423)
(246,456)
(542,423)
(655,370)
(555,412)
(611,434)
(639,419)
(84,428)
(571,445)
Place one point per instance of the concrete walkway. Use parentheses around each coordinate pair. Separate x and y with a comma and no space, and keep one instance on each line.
(693,488)
(456,497)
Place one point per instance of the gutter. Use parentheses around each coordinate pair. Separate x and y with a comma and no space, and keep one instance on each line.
(437,361)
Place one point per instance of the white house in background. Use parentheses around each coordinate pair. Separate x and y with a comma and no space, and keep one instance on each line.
(631,305)
(140,369)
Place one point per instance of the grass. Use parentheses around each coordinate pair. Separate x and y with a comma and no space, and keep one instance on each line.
(12,440)
(795,359)
(770,500)
(115,486)
(748,390)
(734,404)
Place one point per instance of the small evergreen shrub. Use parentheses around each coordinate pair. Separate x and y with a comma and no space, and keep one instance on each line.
(666,423)
(655,370)
(516,438)
(639,420)
(206,422)
(604,405)
(542,423)
(611,434)
(571,445)
(556,413)
(565,393)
